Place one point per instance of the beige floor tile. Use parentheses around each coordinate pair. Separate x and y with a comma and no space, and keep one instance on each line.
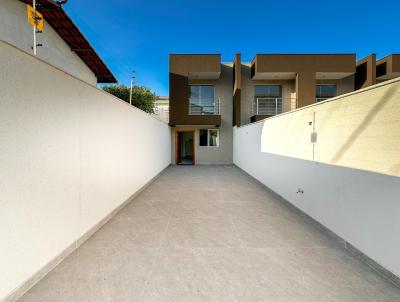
(145,208)
(201,232)
(130,233)
(211,233)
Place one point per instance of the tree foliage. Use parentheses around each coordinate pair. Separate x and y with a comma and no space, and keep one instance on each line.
(142,97)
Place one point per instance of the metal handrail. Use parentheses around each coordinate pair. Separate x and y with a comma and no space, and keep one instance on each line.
(267,106)
(199,109)
(321,99)
(162,113)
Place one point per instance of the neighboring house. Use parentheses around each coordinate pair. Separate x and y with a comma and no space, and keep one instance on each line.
(370,71)
(388,68)
(207,97)
(63,45)
(161,108)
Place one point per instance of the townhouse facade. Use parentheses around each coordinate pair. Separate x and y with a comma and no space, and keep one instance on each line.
(208,97)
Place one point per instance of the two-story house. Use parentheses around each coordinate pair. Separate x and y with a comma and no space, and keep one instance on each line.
(200,109)
(208,97)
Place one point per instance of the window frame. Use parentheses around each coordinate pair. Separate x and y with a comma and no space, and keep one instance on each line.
(200,98)
(208,137)
(325,98)
(259,96)
(272,97)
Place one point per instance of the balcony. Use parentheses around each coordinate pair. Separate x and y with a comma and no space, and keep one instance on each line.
(264,107)
(205,107)
(267,106)
(162,113)
(184,71)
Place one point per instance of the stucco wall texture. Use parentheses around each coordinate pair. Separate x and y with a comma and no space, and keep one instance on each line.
(349,178)
(70,154)
(15,29)
(358,130)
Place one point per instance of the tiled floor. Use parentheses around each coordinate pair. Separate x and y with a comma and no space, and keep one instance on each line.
(211,233)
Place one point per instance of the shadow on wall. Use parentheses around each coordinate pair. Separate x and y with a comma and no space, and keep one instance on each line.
(364,124)
(359,131)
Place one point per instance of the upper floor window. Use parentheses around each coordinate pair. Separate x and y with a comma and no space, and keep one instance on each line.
(202,100)
(267,100)
(324,91)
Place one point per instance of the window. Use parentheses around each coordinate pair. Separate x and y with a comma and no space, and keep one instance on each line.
(273,91)
(202,100)
(209,137)
(324,92)
(267,100)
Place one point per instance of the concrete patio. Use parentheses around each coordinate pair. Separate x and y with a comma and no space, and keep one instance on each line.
(211,233)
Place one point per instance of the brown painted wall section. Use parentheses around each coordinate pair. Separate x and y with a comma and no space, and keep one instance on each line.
(365,72)
(237,79)
(257,118)
(392,64)
(306,67)
(305,63)
(396,63)
(305,88)
(179,68)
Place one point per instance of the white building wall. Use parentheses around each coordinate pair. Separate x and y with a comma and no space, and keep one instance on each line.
(352,186)
(15,29)
(70,154)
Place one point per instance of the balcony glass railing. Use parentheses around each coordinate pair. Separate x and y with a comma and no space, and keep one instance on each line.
(204,106)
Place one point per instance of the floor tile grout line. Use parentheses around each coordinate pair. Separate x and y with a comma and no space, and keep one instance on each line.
(237,232)
(158,253)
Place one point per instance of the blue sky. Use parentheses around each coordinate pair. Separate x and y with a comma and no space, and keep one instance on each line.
(139,34)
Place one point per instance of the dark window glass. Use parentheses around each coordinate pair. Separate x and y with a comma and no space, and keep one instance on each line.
(273,91)
(203,137)
(381,69)
(324,92)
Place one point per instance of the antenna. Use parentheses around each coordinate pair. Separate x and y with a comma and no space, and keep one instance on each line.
(36,20)
(34,29)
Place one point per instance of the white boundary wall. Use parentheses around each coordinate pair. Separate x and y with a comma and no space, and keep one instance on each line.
(360,206)
(70,154)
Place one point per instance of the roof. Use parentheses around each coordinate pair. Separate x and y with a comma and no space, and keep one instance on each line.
(69,32)
(163,98)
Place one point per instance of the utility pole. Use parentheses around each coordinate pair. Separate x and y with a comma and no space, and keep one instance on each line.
(34,28)
(132,83)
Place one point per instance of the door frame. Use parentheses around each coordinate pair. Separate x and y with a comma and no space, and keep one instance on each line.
(177,145)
